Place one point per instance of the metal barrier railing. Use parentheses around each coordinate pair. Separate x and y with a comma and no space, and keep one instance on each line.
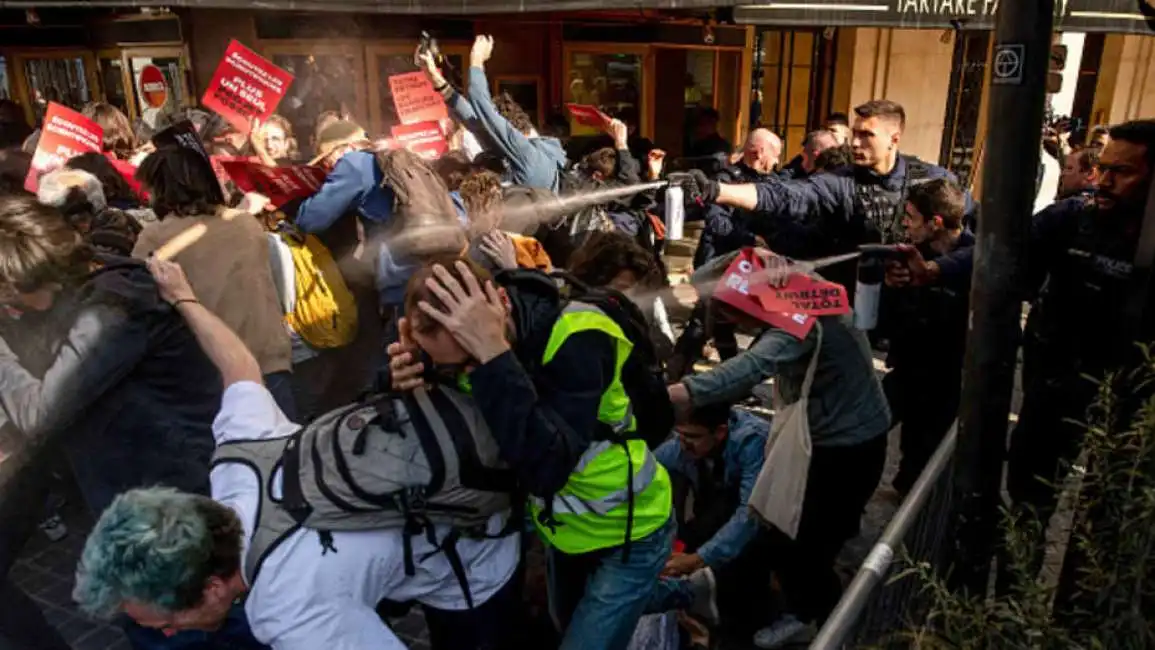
(870,609)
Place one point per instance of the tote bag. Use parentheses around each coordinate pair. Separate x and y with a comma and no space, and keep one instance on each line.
(781,485)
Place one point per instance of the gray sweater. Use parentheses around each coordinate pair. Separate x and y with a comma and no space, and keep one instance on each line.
(847,405)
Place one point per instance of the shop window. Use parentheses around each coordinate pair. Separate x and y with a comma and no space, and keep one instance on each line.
(791,64)
(388,60)
(62,80)
(961,151)
(112,81)
(611,81)
(323,81)
(5,84)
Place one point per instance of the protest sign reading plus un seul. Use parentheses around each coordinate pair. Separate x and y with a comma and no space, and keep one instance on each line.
(246,86)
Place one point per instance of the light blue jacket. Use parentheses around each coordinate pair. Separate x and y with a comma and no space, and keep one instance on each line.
(742,456)
(533,162)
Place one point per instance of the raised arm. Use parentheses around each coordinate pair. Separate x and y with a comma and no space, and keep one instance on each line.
(222,346)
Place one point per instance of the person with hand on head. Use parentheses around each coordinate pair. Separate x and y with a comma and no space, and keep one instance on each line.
(239,555)
(534,161)
(550,378)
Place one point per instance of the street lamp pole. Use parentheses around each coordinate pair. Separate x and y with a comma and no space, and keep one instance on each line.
(1014,129)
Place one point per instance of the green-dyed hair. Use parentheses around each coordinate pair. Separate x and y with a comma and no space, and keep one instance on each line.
(157,547)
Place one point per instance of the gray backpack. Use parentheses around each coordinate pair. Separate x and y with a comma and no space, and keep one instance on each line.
(408,461)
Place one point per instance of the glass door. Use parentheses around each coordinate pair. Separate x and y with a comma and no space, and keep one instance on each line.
(112,81)
(5,84)
(67,77)
(151,101)
(610,76)
(386,60)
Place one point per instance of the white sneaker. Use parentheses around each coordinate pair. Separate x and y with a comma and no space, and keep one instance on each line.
(704,588)
(783,632)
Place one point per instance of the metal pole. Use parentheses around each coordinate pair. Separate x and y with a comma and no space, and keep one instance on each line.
(1014,126)
(756,80)
(843,620)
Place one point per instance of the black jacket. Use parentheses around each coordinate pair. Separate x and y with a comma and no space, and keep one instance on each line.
(544,416)
(927,326)
(118,379)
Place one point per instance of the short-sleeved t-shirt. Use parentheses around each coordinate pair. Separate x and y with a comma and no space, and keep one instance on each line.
(306,598)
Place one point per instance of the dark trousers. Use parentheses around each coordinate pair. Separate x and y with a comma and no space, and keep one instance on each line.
(926,405)
(743,584)
(688,348)
(1045,439)
(489,626)
(22,624)
(840,483)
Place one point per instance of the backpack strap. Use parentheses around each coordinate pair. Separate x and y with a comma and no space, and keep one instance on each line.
(273,524)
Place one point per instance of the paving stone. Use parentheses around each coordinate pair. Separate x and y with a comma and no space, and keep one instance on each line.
(103,638)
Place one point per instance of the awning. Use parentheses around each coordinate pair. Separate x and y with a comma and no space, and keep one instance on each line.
(432,7)
(1123,16)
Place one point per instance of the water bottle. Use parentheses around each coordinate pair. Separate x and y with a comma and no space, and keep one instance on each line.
(868,292)
(675,213)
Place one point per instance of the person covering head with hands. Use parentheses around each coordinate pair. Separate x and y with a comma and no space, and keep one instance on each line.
(549,378)
(175,561)
(534,161)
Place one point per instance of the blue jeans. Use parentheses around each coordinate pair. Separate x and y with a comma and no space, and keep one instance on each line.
(233,635)
(597,598)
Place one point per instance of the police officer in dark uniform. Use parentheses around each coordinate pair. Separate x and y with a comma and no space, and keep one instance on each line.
(1080,269)
(835,212)
(727,230)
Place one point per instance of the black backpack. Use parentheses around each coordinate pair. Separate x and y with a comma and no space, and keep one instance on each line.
(643,375)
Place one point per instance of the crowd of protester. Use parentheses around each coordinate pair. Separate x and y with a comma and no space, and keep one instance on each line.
(182,343)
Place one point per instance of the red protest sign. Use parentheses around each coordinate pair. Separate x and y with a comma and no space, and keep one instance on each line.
(153,87)
(281,184)
(803,294)
(588,115)
(245,86)
(415,98)
(65,135)
(423,138)
(739,288)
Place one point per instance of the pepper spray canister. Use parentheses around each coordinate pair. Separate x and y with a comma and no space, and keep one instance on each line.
(675,213)
(868,287)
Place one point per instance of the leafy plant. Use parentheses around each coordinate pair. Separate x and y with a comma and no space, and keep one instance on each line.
(1106,597)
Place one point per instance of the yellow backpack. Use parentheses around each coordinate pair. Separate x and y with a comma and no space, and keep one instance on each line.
(324,312)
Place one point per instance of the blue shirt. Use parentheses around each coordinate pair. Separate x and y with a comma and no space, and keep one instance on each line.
(742,457)
(354,186)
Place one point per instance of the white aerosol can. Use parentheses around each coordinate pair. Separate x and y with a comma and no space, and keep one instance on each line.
(675,213)
(868,292)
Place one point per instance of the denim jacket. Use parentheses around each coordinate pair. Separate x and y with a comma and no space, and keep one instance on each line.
(847,405)
(742,457)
